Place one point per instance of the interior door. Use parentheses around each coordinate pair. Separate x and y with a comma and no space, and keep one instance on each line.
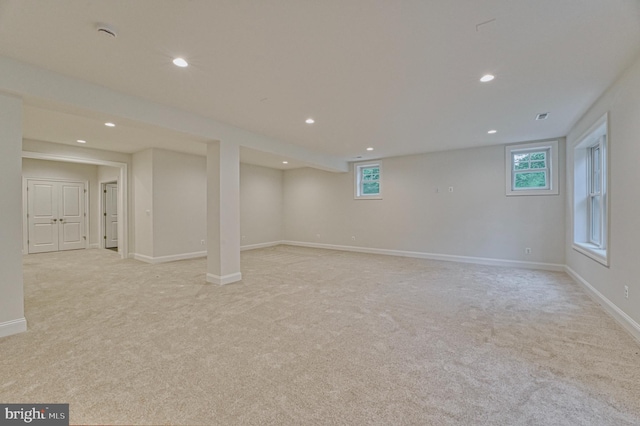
(55,213)
(42,214)
(111,215)
(71,216)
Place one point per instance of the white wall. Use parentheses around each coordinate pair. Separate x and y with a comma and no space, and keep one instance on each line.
(143,202)
(11,281)
(261,205)
(108,174)
(43,169)
(179,203)
(172,186)
(622,102)
(475,220)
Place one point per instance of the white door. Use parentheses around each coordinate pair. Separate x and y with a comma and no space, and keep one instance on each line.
(111,215)
(55,212)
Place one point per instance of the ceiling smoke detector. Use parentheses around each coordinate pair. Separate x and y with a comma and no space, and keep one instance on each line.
(107,30)
(542,116)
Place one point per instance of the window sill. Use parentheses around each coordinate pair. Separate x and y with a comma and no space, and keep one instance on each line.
(370,197)
(589,250)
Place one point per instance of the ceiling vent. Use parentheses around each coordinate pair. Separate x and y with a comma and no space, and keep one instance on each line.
(542,116)
(106,30)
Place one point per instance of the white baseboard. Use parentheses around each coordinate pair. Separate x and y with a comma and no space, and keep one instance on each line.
(8,328)
(261,245)
(433,256)
(618,314)
(225,279)
(170,258)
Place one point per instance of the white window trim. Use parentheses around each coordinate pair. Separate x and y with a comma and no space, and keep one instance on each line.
(357,175)
(552,166)
(581,235)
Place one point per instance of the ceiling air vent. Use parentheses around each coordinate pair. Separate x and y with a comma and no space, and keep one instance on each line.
(542,116)
(106,30)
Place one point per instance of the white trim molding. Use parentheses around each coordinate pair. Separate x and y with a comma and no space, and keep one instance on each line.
(628,323)
(434,256)
(261,245)
(169,258)
(16,326)
(225,279)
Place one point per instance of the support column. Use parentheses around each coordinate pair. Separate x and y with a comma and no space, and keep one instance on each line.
(12,319)
(223,213)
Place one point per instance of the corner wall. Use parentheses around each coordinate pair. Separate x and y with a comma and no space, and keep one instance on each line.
(475,222)
(261,205)
(622,102)
(11,280)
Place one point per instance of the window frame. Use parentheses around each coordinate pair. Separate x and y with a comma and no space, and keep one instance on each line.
(590,183)
(551,169)
(358,180)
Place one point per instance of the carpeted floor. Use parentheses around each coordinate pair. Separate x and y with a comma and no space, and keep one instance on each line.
(317,337)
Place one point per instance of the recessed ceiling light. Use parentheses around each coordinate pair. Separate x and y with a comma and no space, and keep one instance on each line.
(492,132)
(309,121)
(81,141)
(109,124)
(180,62)
(285,162)
(369,149)
(486,78)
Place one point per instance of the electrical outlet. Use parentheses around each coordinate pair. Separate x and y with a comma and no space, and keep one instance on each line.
(201,242)
(626,291)
(353,237)
(451,189)
(317,235)
(527,250)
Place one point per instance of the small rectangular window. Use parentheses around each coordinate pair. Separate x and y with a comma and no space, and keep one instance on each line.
(532,168)
(368,181)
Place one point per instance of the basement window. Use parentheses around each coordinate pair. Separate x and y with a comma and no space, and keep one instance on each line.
(532,168)
(368,181)
(590,195)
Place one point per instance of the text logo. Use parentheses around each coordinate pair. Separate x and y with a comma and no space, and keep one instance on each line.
(34,414)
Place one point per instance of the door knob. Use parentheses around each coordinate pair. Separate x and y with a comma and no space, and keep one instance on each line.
(55,220)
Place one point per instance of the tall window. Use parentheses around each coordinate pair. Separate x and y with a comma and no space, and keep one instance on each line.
(595,193)
(368,181)
(532,169)
(590,213)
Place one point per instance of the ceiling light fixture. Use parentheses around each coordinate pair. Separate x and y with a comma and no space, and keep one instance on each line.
(109,124)
(81,141)
(369,149)
(285,162)
(309,121)
(491,132)
(542,116)
(180,62)
(486,78)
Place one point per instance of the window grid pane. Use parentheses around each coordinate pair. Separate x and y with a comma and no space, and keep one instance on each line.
(368,181)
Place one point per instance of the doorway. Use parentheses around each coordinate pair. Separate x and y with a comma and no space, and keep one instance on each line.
(110,215)
(56,218)
(123,179)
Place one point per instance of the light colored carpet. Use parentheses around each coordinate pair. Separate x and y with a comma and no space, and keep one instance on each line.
(317,337)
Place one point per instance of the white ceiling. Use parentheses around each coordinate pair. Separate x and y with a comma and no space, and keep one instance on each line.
(400,76)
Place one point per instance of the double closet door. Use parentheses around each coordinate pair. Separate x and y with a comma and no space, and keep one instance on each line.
(55,215)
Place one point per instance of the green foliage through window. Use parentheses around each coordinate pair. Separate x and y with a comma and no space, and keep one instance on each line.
(530,170)
(369,180)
